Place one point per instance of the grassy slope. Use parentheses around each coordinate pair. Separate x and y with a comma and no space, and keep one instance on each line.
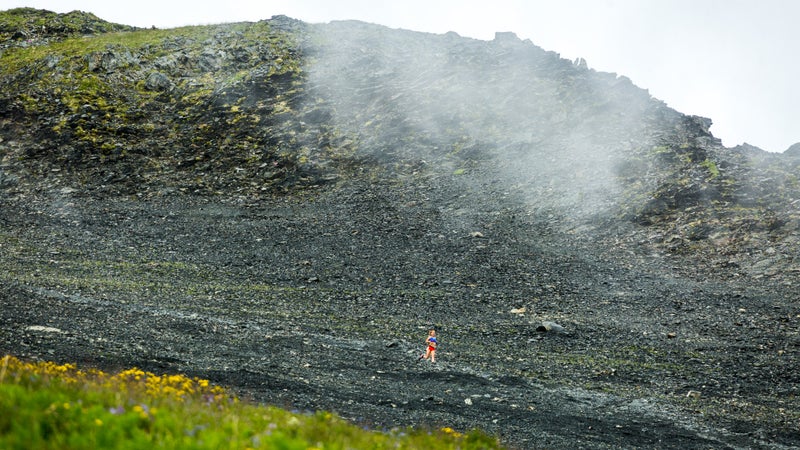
(47,405)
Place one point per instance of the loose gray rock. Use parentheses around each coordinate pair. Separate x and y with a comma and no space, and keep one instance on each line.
(547,326)
(157,81)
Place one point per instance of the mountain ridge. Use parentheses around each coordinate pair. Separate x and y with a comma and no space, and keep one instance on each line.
(112,108)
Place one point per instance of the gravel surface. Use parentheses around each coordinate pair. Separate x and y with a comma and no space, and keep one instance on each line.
(323,302)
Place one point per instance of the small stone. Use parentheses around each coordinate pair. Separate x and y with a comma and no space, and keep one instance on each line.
(551,326)
(43,329)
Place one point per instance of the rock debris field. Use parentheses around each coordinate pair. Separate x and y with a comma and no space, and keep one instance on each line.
(548,340)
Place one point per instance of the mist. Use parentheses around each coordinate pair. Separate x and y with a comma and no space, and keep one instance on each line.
(551,132)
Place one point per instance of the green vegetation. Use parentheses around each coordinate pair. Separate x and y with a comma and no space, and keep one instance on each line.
(711,167)
(22,24)
(50,406)
(92,91)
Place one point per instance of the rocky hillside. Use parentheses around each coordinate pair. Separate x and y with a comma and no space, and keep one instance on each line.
(279,106)
(25,27)
(218,193)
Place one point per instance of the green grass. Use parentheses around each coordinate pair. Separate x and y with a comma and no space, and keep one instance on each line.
(711,166)
(45,405)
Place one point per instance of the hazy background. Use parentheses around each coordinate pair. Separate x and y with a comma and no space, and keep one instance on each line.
(734,61)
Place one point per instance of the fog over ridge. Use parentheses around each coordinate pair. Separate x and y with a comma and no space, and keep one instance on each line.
(557,131)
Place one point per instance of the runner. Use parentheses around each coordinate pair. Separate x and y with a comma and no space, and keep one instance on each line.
(431,343)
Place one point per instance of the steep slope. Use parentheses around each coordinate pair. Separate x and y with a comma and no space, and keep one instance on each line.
(150,109)
(284,207)
(280,105)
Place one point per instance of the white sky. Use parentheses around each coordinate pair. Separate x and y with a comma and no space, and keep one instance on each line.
(735,61)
